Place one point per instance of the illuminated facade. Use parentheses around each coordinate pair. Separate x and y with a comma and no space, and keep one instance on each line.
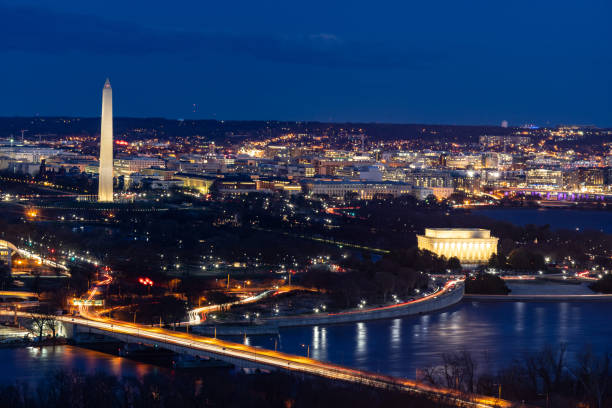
(6,251)
(105,173)
(470,245)
(196,182)
(365,190)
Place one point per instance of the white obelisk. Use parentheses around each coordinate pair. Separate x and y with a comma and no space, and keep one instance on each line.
(105,173)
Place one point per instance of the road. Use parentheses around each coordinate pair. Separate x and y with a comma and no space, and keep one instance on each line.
(194,314)
(274,359)
(279,360)
(222,349)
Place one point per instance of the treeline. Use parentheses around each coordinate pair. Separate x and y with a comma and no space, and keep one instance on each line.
(525,259)
(547,378)
(603,285)
(486,284)
(214,389)
(399,273)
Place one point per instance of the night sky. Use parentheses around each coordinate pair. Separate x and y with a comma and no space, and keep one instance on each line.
(439,61)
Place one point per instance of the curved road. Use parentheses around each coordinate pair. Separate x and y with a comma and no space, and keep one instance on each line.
(276,359)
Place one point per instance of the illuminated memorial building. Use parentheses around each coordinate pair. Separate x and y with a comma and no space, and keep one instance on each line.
(470,245)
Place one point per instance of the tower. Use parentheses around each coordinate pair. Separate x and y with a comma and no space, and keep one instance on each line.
(105,173)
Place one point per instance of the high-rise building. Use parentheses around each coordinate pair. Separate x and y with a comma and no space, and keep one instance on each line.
(105,173)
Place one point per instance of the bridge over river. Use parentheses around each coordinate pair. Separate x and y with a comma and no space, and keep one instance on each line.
(241,355)
(245,356)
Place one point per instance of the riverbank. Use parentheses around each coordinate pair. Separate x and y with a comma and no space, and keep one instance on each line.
(540,298)
(447,297)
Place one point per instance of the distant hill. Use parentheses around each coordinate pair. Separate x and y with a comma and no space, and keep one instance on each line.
(137,128)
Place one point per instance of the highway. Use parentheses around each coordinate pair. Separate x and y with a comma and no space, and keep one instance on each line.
(194,314)
(254,356)
(273,359)
(279,360)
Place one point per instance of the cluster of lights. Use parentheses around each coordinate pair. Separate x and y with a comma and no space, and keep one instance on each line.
(145,281)
(319,308)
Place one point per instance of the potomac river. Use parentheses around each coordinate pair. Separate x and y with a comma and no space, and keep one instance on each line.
(557,218)
(494,332)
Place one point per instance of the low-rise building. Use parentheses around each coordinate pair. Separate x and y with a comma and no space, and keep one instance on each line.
(365,190)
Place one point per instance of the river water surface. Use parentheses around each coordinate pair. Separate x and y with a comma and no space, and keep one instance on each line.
(555,217)
(494,333)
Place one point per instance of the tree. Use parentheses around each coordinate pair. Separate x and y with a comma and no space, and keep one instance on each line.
(486,283)
(5,274)
(386,284)
(498,260)
(458,371)
(603,285)
(52,324)
(172,310)
(594,374)
(525,259)
(454,264)
(37,325)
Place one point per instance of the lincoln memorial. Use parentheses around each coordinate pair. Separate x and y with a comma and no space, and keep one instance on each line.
(470,245)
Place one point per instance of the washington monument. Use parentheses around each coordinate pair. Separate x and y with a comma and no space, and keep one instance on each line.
(105,173)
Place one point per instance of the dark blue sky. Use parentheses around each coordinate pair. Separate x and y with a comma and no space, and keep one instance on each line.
(437,61)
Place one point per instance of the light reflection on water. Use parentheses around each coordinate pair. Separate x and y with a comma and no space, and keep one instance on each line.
(495,333)
(33,364)
(362,338)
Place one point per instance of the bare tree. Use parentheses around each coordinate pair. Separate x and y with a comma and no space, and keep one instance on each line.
(458,371)
(52,324)
(37,325)
(548,367)
(593,372)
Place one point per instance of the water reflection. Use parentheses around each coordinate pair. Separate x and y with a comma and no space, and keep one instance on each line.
(396,334)
(563,322)
(318,349)
(37,363)
(519,316)
(495,333)
(362,337)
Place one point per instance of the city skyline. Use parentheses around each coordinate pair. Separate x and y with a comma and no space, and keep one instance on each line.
(411,64)
(317,204)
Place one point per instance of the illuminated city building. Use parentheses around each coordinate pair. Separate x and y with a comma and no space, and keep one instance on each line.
(430,178)
(197,182)
(544,178)
(129,165)
(365,190)
(105,173)
(470,245)
(6,252)
(507,140)
(585,179)
(464,161)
